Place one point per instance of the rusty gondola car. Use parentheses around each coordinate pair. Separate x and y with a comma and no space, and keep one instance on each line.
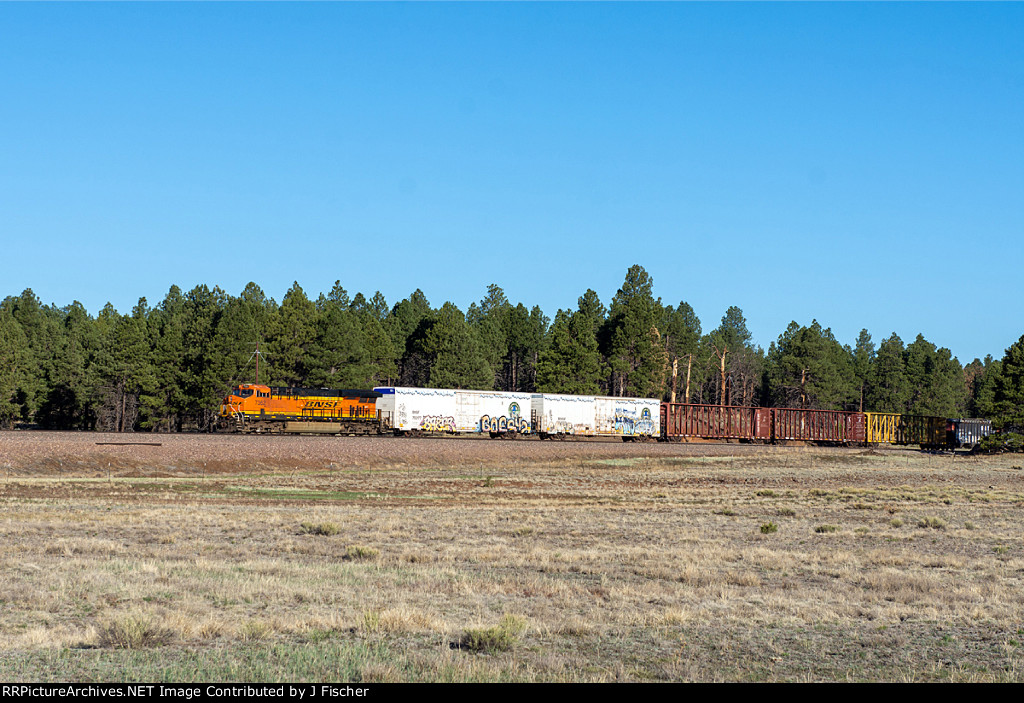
(687,422)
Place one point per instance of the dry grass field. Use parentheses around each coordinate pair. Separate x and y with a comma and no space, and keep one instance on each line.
(222,558)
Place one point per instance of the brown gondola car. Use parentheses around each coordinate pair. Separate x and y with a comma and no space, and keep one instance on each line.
(256,408)
(825,426)
(685,422)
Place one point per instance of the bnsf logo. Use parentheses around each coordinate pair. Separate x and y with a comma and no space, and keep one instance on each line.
(321,404)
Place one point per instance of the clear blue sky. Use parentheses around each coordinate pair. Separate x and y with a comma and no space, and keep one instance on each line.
(862,164)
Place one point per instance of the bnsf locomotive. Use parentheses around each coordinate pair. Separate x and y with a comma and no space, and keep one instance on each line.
(255,408)
(262,409)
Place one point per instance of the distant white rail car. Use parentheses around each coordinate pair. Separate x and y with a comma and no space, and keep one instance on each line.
(555,415)
(453,411)
(497,413)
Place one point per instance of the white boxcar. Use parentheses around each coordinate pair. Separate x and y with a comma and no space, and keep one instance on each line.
(629,417)
(589,415)
(563,414)
(447,410)
(425,409)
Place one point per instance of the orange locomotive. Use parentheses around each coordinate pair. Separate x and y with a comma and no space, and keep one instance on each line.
(251,407)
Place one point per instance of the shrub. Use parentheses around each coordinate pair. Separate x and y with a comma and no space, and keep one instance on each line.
(358,553)
(133,632)
(254,631)
(1002,442)
(325,529)
(768,528)
(499,638)
(932,522)
(822,529)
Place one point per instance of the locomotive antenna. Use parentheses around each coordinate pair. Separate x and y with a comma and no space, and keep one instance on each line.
(256,355)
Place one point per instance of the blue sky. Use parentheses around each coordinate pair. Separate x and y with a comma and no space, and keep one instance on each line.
(858,164)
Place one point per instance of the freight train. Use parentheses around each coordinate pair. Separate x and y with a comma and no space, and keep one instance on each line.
(255,408)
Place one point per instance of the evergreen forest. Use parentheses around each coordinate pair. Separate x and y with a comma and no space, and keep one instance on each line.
(165,368)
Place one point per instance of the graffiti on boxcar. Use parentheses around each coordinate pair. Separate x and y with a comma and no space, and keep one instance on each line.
(438,423)
(504,424)
(627,422)
(513,422)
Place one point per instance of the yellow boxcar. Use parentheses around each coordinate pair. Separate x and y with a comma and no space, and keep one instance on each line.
(883,428)
(896,428)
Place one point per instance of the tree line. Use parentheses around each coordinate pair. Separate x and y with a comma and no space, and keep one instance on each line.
(166,368)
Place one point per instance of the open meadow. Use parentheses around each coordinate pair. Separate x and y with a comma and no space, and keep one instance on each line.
(230,558)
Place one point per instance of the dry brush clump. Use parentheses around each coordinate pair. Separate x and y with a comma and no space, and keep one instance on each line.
(497,638)
(134,630)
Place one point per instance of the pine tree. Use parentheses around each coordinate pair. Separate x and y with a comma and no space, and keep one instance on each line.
(14,367)
(290,334)
(571,363)
(71,379)
(165,405)
(244,325)
(934,379)
(457,360)
(863,358)
(201,378)
(681,337)
(728,349)
(380,351)
(636,353)
(1009,386)
(42,336)
(378,307)
(983,389)
(524,335)
(808,368)
(125,371)
(489,321)
(338,355)
(406,327)
(888,388)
